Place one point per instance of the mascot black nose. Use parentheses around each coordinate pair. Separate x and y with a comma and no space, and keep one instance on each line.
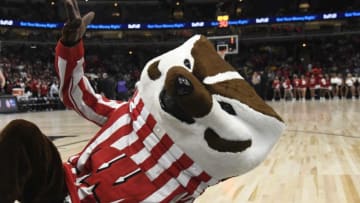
(183,86)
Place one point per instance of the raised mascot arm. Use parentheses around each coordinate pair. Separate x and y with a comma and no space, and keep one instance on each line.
(75,89)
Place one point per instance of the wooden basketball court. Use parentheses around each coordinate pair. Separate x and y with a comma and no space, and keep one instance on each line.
(317,159)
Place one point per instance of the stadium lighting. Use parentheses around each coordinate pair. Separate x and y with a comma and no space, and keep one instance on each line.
(304,5)
(238,10)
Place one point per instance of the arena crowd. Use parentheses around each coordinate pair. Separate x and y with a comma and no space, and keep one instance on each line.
(320,69)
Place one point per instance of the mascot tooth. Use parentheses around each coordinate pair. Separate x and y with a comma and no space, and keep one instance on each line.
(192,122)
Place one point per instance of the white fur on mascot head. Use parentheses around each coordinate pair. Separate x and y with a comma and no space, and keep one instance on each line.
(208,109)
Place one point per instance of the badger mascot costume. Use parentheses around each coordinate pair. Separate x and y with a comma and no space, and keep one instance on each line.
(192,122)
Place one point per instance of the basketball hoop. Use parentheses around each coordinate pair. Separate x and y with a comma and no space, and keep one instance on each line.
(222,53)
(222,49)
(228,43)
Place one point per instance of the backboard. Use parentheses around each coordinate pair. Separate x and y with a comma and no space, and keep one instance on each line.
(227,44)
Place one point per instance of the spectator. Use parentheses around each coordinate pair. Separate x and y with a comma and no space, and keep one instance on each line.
(357,85)
(122,90)
(44,89)
(312,86)
(303,87)
(108,86)
(276,88)
(340,85)
(54,89)
(325,87)
(334,80)
(35,88)
(349,85)
(288,94)
(255,81)
(296,85)
(2,81)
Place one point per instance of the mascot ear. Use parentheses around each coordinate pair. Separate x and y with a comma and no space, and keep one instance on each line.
(33,167)
(153,71)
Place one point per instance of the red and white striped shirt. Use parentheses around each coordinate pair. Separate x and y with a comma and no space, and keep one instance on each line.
(131,159)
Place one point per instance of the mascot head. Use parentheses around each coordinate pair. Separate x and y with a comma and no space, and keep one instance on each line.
(208,109)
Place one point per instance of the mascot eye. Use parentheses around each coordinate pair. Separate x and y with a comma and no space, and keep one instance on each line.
(187,63)
(228,108)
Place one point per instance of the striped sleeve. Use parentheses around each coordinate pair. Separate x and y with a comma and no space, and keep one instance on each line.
(75,89)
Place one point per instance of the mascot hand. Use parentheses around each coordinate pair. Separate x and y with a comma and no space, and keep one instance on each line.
(75,26)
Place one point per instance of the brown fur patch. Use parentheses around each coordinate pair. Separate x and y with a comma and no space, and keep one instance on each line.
(207,60)
(153,71)
(209,63)
(196,104)
(32,169)
(240,90)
